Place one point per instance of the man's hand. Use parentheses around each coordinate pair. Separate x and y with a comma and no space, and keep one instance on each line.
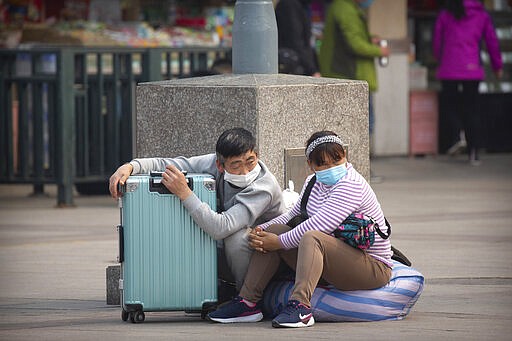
(119,178)
(384,51)
(263,241)
(174,180)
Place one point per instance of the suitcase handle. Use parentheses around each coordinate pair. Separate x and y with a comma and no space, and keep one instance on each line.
(155,183)
(120,232)
(158,174)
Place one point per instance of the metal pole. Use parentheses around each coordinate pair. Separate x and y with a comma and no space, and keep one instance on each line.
(254,37)
(66,138)
(152,65)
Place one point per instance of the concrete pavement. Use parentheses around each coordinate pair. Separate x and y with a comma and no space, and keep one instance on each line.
(454,221)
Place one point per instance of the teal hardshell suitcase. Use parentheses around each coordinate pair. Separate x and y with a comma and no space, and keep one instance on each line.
(168,263)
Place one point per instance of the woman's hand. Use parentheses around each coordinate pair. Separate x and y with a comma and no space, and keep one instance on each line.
(174,180)
(263,241)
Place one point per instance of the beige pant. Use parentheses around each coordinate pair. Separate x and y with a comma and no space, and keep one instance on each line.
(318,256)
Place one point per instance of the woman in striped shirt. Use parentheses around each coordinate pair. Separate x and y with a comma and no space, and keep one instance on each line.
(310,248)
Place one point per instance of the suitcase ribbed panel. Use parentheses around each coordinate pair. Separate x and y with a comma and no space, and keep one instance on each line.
(170,263)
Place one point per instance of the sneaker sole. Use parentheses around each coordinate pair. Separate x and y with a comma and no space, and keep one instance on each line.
(250,318)
(457,148)
(300,324)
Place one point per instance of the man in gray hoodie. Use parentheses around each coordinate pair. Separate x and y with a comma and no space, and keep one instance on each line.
(248,193)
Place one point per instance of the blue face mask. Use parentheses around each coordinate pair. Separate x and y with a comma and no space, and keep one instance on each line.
(332,175)
(365,4)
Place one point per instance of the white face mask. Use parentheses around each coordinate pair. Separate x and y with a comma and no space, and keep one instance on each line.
(242,180)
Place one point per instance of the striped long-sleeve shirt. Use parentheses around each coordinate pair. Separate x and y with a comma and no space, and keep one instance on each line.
(329,206)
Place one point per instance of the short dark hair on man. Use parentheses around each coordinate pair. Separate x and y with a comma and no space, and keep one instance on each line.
(234,142)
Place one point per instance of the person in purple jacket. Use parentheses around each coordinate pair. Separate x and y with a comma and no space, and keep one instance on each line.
(459,30)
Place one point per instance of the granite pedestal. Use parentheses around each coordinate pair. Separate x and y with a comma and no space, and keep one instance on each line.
(113,273)
(186,116)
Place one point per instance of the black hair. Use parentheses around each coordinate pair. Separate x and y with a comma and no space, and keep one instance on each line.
(325,151)
(234,142)
(456,8)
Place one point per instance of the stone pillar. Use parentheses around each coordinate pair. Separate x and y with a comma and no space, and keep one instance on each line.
(186,116)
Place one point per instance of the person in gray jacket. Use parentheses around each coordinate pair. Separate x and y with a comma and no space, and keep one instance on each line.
(248,193)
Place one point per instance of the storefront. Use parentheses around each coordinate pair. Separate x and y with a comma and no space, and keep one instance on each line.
(134,23)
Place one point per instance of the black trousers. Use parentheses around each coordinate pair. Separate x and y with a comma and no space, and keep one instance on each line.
(461,106)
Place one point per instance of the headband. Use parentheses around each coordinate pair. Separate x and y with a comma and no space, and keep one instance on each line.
(320,140)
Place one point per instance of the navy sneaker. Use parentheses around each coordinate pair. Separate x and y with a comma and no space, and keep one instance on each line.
(295,315)
(236,311)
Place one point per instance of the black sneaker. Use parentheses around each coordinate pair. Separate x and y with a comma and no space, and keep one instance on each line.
(295,315)
(236,311)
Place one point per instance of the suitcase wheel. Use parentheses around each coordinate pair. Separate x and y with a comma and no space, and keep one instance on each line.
(124,315)
(137,316)
(207,308)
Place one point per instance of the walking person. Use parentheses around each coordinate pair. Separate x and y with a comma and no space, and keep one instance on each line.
(296,54)
(348,50)
(460,28)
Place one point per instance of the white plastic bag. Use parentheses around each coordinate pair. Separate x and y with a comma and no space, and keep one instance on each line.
(290,197)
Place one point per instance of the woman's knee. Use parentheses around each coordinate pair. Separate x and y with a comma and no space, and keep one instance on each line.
(312,236)
(278,228)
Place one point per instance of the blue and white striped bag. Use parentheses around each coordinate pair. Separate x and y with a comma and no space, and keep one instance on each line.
(390,302)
